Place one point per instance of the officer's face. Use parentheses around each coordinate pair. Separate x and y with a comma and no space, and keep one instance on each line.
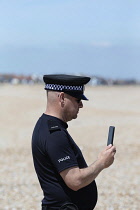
(72,106)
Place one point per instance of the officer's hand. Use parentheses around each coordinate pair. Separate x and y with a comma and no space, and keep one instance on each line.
(106,157)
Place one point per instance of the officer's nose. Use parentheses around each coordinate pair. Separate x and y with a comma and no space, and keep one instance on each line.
(80,104)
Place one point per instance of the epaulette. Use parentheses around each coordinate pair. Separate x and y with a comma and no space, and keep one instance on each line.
(53,126)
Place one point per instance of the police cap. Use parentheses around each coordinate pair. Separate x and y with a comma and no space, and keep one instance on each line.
(70,84)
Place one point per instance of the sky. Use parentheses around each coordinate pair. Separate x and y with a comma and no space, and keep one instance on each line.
(91,37)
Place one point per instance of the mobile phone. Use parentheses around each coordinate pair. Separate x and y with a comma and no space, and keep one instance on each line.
(110,135)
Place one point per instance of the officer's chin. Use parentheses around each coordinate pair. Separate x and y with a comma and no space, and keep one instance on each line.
(75,116)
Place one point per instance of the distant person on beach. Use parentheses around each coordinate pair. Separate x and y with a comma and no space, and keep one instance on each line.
(66,180)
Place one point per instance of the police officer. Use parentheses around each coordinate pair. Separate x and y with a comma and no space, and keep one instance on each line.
(66,180)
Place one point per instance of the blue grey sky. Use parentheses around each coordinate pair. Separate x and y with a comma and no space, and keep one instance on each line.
(94,37)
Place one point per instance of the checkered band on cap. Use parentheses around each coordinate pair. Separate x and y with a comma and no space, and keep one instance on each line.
(63,87)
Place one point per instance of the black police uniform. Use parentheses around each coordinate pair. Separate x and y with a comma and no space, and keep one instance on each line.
(53,151)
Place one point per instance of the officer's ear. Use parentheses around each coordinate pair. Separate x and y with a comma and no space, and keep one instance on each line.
(62,98)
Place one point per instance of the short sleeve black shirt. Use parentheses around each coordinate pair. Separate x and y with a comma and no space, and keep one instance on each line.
(53,151)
